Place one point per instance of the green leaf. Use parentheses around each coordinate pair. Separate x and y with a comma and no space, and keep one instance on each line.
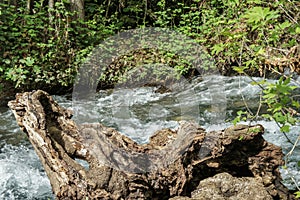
(285,24)
(22,61)
(291,119)
(36,69)
(271,15)
(277,107)
(258,16)
(279,117)
(284,167)
(261,51)
(217,48)
(254,1)
(29,61)
(262,82)
(287,81)
(285,129)
(7,61)
(297,194)
(240,112)
(255,130)
(254,15)
(240,70)
(250,63)
(269,96)
(267,116)
(296,104)
(236,120)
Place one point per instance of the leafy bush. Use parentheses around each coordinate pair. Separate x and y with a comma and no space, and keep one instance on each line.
(241,35)
(45,49)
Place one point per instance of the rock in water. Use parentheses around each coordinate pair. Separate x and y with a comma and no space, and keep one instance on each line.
(175,164)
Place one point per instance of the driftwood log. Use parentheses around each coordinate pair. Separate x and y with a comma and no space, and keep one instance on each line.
(168,167)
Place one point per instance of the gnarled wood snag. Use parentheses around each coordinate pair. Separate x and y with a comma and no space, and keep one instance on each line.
(119,168)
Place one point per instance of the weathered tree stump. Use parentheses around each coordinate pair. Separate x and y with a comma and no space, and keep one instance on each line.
(168,167)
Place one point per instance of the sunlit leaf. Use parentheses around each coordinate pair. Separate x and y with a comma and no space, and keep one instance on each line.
(279,117)
(285,24)
(285,129)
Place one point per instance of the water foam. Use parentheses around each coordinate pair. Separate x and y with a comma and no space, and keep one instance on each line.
(21,175)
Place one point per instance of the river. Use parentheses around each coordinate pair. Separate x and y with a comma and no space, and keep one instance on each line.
(137,113)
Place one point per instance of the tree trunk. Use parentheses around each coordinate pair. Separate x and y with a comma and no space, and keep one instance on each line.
(50,11)
(30,6)
(172,164)
(78,7)
(51,4)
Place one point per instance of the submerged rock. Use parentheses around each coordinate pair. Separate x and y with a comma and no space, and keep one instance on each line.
(175,164)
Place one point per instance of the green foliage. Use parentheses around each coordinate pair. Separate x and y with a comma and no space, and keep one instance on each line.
(31,49)
(238,34)
(258,17)
(297,194)
(279,102)
(281,106)
(241,116)
(45,49)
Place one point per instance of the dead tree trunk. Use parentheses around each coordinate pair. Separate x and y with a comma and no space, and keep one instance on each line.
(168,166)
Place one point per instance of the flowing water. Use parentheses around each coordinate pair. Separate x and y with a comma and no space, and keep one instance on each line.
(137,113)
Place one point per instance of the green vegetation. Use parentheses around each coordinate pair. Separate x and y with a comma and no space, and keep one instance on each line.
(44,49)
(43,45)
(280,102)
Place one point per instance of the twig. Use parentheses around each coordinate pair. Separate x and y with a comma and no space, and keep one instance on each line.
(293,148)
(145,13)
(288,15)
(107,9)
(259,106)
(286,161)
(285,76)
(243,98)
(288,139)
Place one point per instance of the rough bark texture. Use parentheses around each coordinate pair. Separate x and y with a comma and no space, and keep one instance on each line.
(78,6)
(121,169)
